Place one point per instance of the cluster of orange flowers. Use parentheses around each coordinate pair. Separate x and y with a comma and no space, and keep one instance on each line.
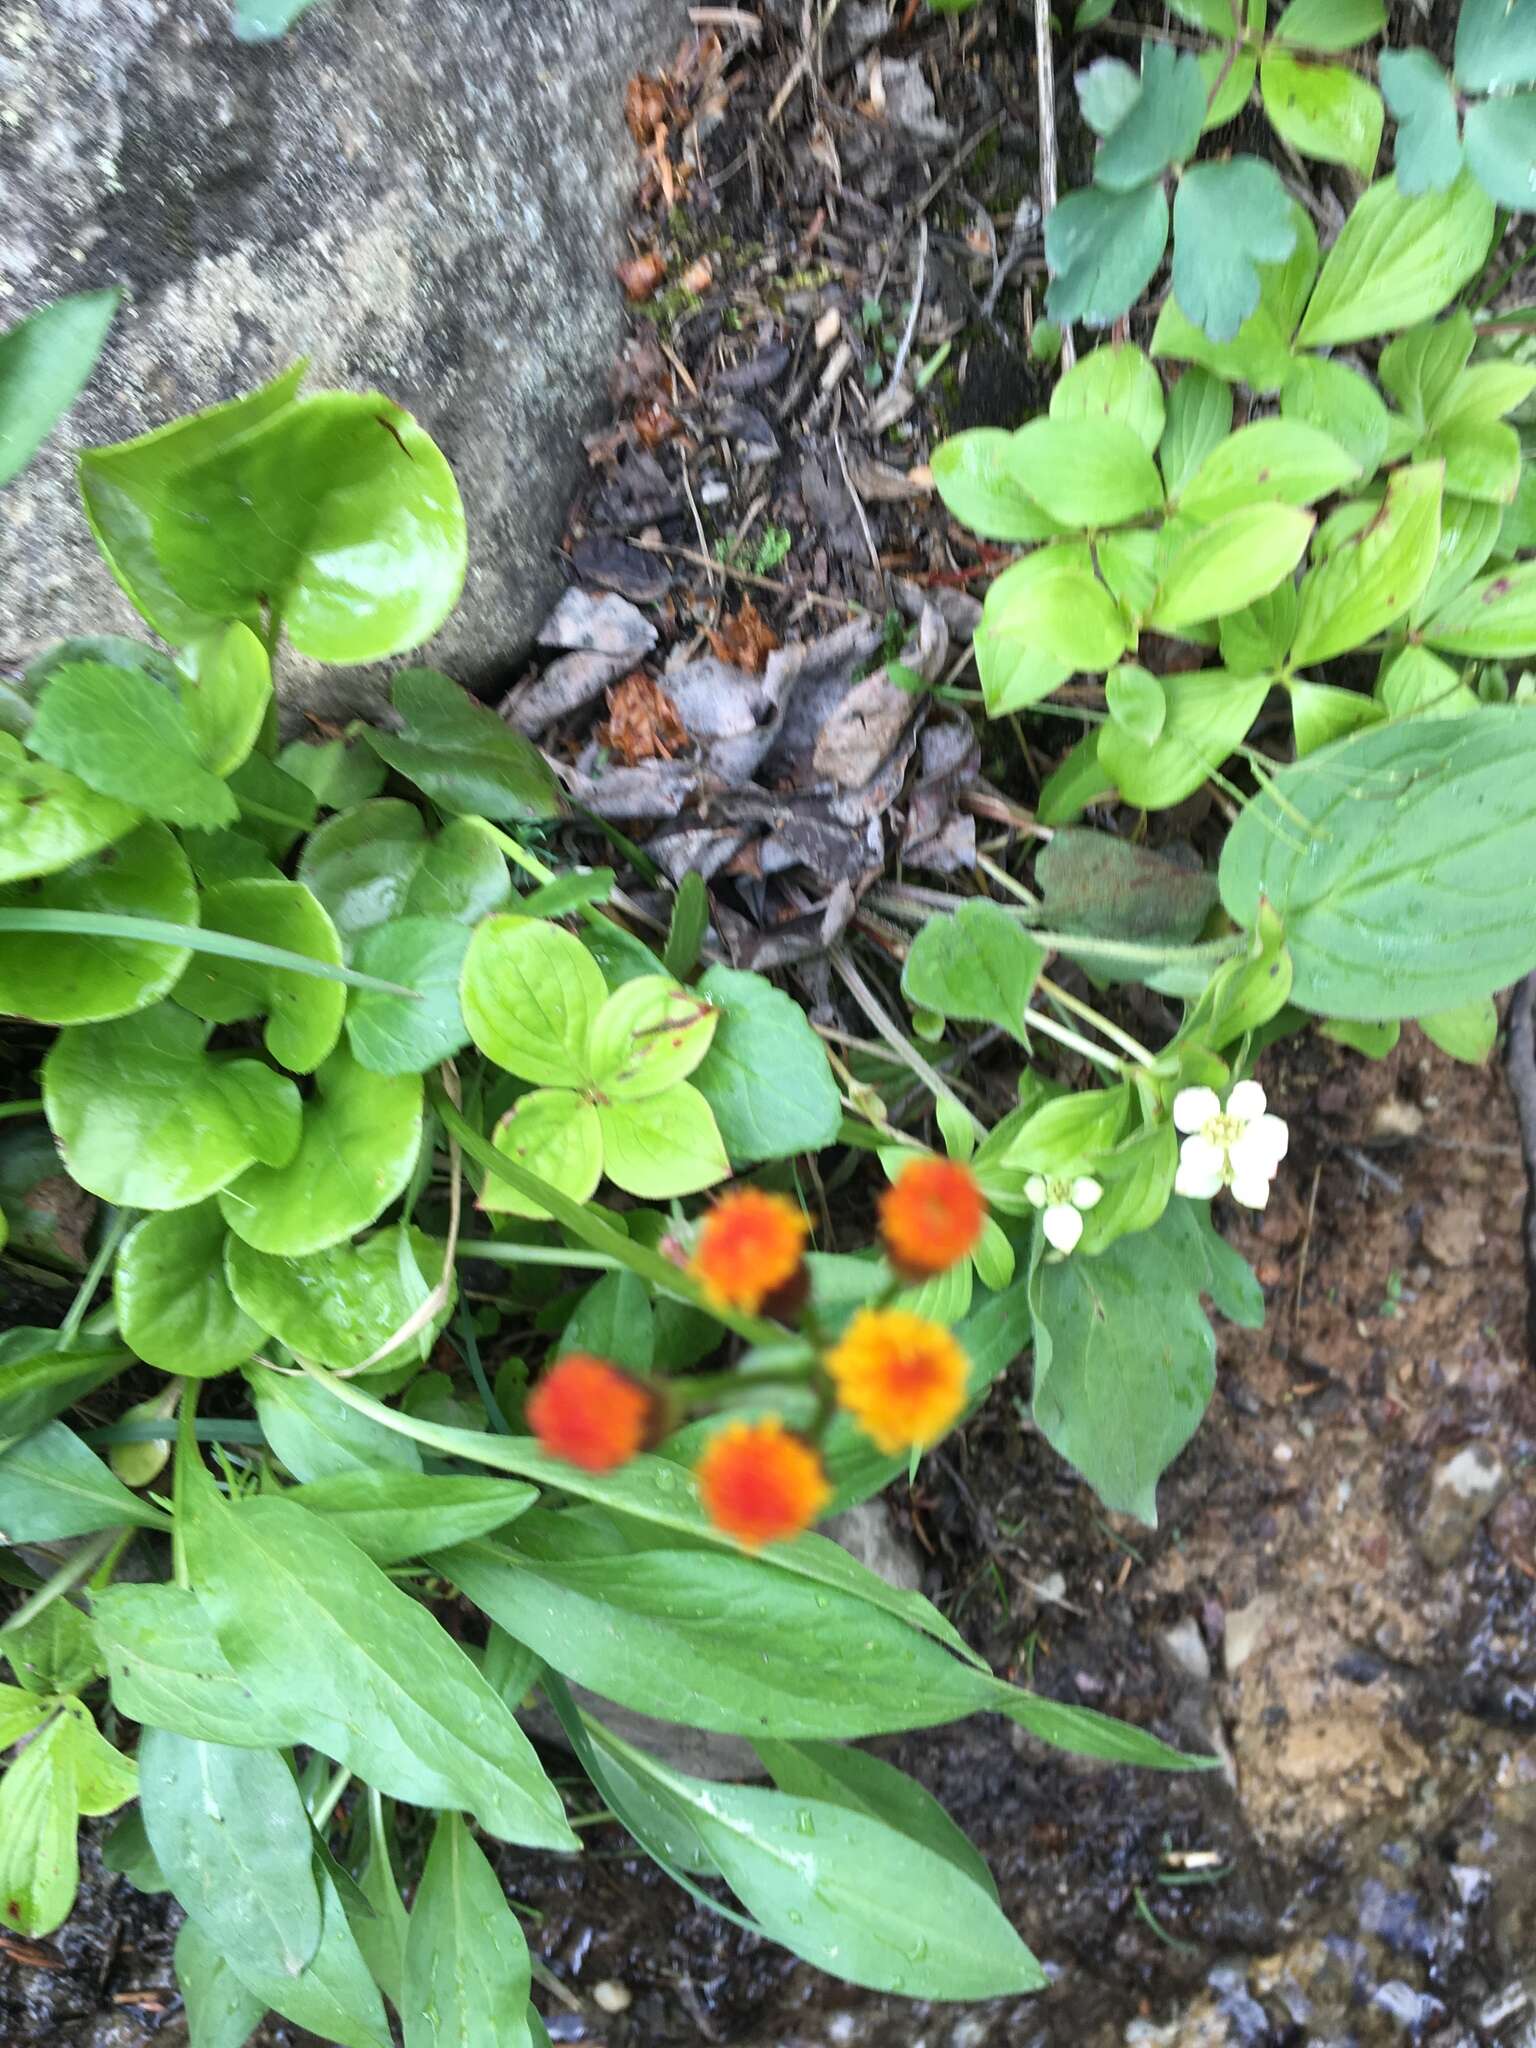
(901,1377)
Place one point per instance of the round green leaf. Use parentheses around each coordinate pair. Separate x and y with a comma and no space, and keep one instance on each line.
(339,772)
(531,993)
(360,863)
(1341,402)
(461,755)
(64,979)
(1260,352)
(174,1307)
(766,1075)
(1208,715)
(49,819)
(144,1117)
(359,1141)
(303,1013)
(1136,701)
(1323,110)
(226,686)
(1401,862)
(975,478)
(1115,382)
(1102,248)
(339,1306)
(648,1035)
(1228,218)
(1495,45)
(1398,260)
(1500,141)
(554,1132)
(1051,604)
(1086,471)
(128,738)
(390,1034)
(1469,1032)
(666,1145)
(977,966)
(1161,126)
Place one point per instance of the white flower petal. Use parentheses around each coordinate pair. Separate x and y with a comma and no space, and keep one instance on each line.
(1063,1226)
(1197,1180)
(1034,1190)
(1200,1156)
(1251,1189)
(1273,1133)
(1193,1107)
(1085,1193)
(1251,1159)
(1246,1102)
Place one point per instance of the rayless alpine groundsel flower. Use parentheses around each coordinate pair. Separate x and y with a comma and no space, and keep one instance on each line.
(750,1250)
(1063,1200)
(759,1483)
(931,1217)
(1238,1147)
(900,1377)
(590,1413)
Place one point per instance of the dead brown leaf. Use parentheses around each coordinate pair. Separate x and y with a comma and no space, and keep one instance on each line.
(699,276)
(645,107)
(641,275)
(745,641)
(643,724)
(655,423)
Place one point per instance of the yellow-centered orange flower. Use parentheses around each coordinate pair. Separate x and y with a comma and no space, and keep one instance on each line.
(590,1413)
(759,1483)
(750,1249)
(900,1377)
(931,1217)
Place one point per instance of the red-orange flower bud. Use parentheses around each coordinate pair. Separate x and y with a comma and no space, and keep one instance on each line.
(590,1413)
(750,1249)
(900,1377)
(931,1217)
(759,1483)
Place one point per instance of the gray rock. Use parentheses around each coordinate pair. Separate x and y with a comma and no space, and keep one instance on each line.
(423,198)
(1464,1489)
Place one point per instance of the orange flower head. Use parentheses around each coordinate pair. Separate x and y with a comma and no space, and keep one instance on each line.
(589,1413)
(900,1377)
(759,1483)
(931,1217)
(750,1249)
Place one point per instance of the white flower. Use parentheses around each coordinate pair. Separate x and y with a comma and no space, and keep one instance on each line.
(1063,1202)
(1239,1147)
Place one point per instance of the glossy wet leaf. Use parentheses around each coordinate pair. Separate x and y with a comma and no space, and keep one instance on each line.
(144,1114)
(339,773)
(1495,45)
(340,1305)
(45,362)
(316,1438)
(974,475)
(531,993)
(391,1034)
(1209,714)
(1282,460)
(1159,127)
(361,863)
(335,1997)
(555,1133)
(462,756)
(1495,617)
(68,979)
(1427,151)
(52,1487)
(1374,578)
(229,1830)
(174,1307)
(394,1515)
(128,739)
(359,1140)
(166,1670)
(765,1075)
(1102,248)
(1228,218)
(39,1867)
(1401,865)
(466,1963)
(1114,382)
(48,818)
(976,965)
(336,515)
(303,1616)
(225,686)
(221,2012)
(1398,260)
(664,1145)
(303,1013)
(1227,564)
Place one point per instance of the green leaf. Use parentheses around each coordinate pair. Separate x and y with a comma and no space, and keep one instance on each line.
(1330,24)
(143,1114)
(1481,457)
(1401,862)
(307,1622)
(316,1438)
(663,1146)
(974,475)
(1077,781)
(334,515)
(64,979)
(1320,712)
(1126,1367)
(1114,382)
(462,756)
(466,1963)
(1418,684)
(1374,578)
(335,1998)
(263,21)
(1214,16)
(1160,127)
(1102,248)
(689,923)
(1229,563)
(1486,392)
(1398,260)
(52,1487)
(1495,618)
(303,1013)
(1323,110)
(360,1137)
(55,1652)
(1260,352)
(20,1713)
(1469,1032)
(339,1306)
(1109,889)
(1269,460)
(173,1305)
(38,1378)
(392,1034)
(1107,91)
(1495,45)
(221,2012)
(765,1076)
(1342,403)
(339,773)
(1228,218)
(1209,714)
(975,965)
(395,1515)
(166,1670)
(1228,74)
(1427,151)
(1499,139)
(555,1133)
(531,993)
(1199,420)
(229,1830)
(1044,617)
(39,1869)
(1423,367)
(225,686)
(649,1035)
(45,362)
(128,739)
(375,863)
(1258,638)
(1086,471)
(613,1320)
(1136,701)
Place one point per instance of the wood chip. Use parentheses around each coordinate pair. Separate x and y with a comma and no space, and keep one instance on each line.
(838,364)
(827,328)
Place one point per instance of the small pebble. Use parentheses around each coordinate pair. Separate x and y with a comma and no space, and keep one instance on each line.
(1282,1454)
(612,1997)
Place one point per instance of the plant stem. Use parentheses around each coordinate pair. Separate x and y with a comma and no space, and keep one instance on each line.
(497,1251)
(908,1055)
(1071,1039)
(80,1566)
(1116,1036)
(331,1801)
(33,1108)
(1004,880)
(195,938)
(106,1252)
